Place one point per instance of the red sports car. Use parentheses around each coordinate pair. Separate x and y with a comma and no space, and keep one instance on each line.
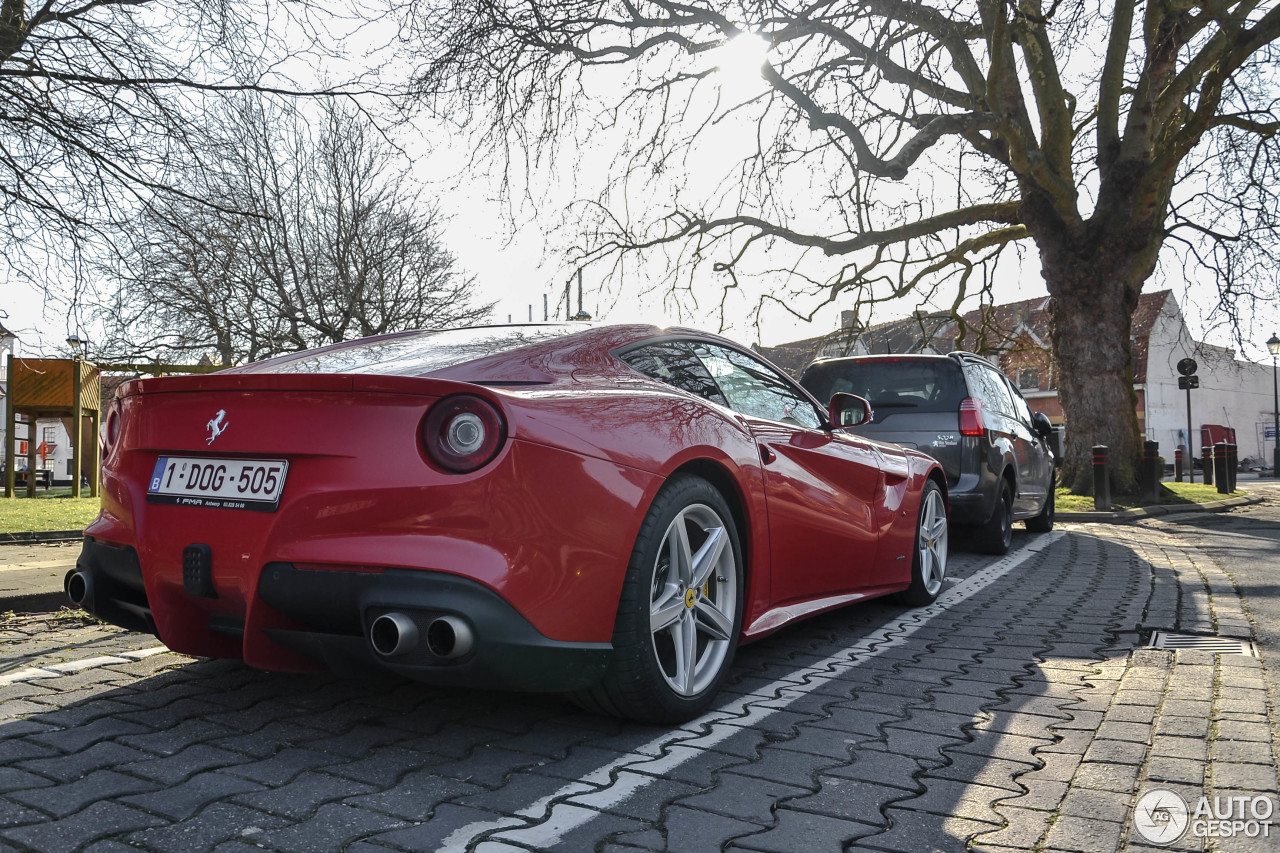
(602,510)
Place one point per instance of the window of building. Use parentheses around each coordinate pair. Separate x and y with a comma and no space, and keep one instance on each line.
(50,435)
(1029,378)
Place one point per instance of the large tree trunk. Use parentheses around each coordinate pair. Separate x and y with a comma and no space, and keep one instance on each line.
(1093,303)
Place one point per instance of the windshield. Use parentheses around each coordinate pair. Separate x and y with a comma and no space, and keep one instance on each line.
(917,385)
(413,353)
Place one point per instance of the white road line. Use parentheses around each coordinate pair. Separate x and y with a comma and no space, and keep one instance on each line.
(546,821)
(55,670)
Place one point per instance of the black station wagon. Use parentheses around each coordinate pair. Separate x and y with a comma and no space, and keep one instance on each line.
(962,411)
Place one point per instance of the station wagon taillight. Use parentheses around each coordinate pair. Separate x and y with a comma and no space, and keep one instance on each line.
(971,417)
(463,433)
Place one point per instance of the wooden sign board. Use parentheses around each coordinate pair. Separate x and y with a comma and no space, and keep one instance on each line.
(49,384)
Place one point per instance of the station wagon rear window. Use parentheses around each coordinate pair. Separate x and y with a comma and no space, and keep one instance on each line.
(892,386)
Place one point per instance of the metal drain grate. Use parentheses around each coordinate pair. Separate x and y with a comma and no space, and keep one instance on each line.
(1217,645)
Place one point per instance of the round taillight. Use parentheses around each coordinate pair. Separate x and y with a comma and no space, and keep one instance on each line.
(463,433)
(112,433)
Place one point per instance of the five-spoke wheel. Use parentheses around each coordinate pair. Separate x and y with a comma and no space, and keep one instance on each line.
(929,567)
(680,612)
(694,600)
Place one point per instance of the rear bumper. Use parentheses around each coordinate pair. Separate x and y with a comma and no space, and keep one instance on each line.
(337,609)
(325,616)
(969,509)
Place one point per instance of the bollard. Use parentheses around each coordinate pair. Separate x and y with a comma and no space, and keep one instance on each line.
(1101,479)
(1150,474)
(1206,463)
(1233,465)
(1178,454)
(1220,475)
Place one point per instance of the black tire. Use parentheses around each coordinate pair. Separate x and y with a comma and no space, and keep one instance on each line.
(929,562)
(1043,523)
(649,678)
(996,535)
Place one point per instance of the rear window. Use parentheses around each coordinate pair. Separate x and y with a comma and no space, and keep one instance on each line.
(413,353)
(915,385)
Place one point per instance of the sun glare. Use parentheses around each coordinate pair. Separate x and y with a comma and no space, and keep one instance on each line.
(738,61)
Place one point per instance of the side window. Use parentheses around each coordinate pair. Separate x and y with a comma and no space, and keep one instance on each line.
(990,388)
(1020,408)
(675,364)
(755,389)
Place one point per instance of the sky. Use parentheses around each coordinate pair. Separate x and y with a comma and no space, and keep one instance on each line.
(516,248)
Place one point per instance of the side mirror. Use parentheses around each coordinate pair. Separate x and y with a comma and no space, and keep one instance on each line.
(1042,425)
(848,410)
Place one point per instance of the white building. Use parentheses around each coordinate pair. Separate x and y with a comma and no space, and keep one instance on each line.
(1233,393)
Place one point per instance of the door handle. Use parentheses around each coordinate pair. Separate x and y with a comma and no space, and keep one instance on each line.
(767,455)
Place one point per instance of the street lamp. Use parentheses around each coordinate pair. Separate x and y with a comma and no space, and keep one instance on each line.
(1273,346)
(75,343)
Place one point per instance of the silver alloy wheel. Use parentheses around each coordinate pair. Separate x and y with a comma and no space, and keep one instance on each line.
(693,599)
(932,542)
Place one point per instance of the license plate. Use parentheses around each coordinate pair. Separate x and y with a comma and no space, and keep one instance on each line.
(218,483)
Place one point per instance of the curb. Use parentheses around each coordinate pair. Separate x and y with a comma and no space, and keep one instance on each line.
(35,602)
(1125,515)
(46,537)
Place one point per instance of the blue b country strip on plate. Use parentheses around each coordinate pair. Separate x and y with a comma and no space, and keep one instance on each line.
(218,483)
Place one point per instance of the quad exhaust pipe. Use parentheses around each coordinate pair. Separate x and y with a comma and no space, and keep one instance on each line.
(449,637)
(393,634)
(78,586)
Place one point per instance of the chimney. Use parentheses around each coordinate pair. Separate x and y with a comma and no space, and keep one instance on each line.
(848,319)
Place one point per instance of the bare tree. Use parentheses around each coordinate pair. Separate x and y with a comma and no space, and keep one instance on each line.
(301,236)
(97,99)
(1100,131)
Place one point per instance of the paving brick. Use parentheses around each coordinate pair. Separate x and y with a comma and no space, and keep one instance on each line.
(416,796)
(1130,732)
(281,767)
(1023,829)
(915,832)
(69,798)
(1042,795)
(743,797)
(1240,752)
(686,829)
(956,799)
(994,772)
(793,768)
(1085,835)
(173,769)
(174,740)
(1181,770)
(1196,727)
(1120,778)
(1259,778)
(1096,805)
(332,827)
(796,830)
(383,767)
(13,814)
(81,737)
(68,767)
(182,801)
(1233,730)
(97,821)
(216,824)
(13,779)
(850,799)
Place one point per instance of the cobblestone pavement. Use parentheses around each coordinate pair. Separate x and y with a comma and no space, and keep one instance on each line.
(1017,713)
